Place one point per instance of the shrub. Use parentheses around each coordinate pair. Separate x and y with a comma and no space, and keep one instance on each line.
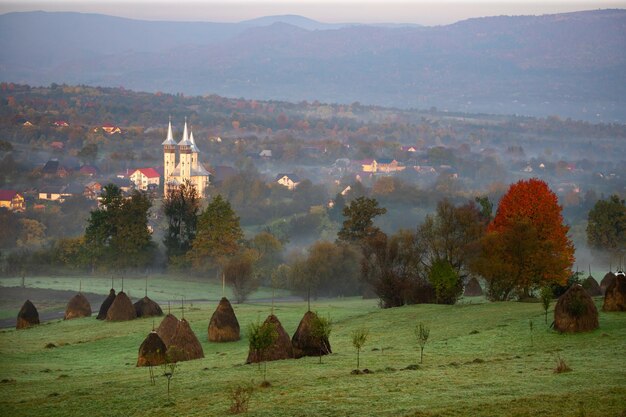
(240,398)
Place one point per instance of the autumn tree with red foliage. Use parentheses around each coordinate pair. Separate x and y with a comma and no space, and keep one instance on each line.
(526,245)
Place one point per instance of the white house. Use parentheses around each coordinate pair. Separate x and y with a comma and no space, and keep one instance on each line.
(290,181)
(143,177)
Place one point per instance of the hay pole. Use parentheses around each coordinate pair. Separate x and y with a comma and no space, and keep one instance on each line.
(80,285)
(182,302)
(146,286)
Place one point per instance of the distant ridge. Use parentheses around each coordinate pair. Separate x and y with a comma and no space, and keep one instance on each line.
(571,64)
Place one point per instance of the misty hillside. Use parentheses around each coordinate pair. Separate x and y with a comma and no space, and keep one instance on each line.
(570,64)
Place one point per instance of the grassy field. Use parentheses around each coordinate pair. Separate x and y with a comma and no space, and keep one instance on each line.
(479,361)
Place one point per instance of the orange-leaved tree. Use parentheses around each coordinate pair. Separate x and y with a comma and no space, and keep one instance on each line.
(526,245)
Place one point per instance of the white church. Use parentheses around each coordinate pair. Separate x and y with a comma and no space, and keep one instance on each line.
(188,166)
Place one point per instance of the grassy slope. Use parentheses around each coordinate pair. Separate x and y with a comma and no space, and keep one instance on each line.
(92,371)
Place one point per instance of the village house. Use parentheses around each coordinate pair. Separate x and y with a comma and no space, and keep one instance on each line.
(52,168)
(60,123)
(53,193)
(144,177)
(92,190)
(389,165)
(290,181)
(109,129)
(11,200)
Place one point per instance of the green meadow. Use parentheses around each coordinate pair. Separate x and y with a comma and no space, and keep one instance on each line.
(481,359)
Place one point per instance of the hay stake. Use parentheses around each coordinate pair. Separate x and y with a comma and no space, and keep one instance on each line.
(182,302)
(146,286)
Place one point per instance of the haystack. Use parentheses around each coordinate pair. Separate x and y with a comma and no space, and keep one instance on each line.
(303,342)
(122,308)
(106,304)
(615,296)
(147,308)
(606,281)
(152,351)
(167,328)
(281,349)
(592,287)
(473,288)
(28,316)
(224,326)
(184,346)
(575,311)
(77,307)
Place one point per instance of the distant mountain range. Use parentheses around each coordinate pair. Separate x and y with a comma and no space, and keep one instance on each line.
(571,64)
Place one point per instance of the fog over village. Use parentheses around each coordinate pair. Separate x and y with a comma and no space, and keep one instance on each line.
(435,195)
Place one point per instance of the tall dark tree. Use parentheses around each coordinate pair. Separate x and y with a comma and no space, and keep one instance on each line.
(606,227)
(218,236)
(359,219)
(117,234)
(393,268)
(180,206)
(450,239)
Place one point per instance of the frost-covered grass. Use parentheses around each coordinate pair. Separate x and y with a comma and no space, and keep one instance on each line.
(478,361)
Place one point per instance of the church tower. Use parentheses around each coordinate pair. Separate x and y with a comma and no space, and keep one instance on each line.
(169,157)
(184,148)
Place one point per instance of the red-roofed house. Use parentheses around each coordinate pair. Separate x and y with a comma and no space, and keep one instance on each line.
(12,200)
(61,123)
(143,177)
(88,170)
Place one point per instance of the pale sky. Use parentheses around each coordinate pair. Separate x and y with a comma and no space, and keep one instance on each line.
(425,12)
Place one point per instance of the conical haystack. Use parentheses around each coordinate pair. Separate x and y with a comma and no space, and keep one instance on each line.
(303,341)
(147,308)
(167,328)
(28,316)
(615,296)
(281,349)
(606,281)
(77,307)
(152,351)
(575,311)
(592,287)
(122,308)
(106,304)
(184,346)
(473,288)
(224,326)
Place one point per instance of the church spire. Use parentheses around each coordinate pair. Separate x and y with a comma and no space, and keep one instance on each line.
(170,137)
(185,140)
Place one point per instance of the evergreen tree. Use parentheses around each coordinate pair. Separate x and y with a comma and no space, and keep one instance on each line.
(218,236)
(606,229)
(180,206)
(359,219)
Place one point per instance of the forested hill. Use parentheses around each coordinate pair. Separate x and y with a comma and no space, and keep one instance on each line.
(572,64)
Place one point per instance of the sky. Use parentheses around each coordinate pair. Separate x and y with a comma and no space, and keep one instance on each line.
(425,12)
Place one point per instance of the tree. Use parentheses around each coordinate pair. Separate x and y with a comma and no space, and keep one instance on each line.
(89,153)
(445,280)
(329,269)
(320,331)
(218,236)
(238,275)
(449,240)
(359,219)
(180,206)
(359,337)
(606,227)
(261,336)
(117,234)
(526,245)
(421,334)
(392,266)
(268,255)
